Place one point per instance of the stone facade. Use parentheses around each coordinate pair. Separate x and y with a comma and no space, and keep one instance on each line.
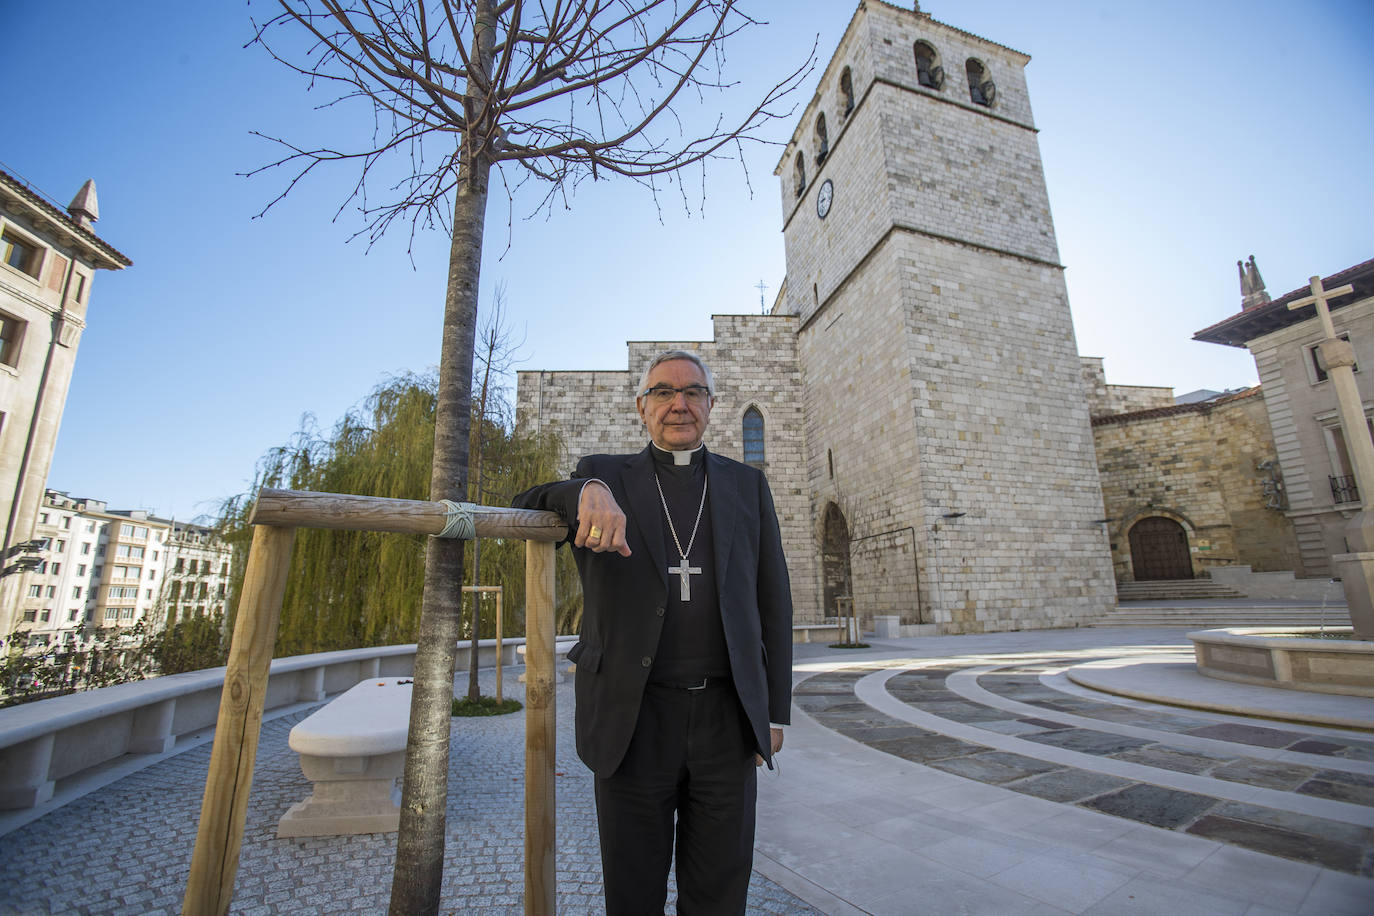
(1210,468)
(1105,400)
(946,415)
(1301,406)
(938,465)
(48,260)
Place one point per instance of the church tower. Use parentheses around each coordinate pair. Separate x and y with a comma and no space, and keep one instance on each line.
(950,456)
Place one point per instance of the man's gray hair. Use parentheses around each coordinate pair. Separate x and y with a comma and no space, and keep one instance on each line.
(668,356)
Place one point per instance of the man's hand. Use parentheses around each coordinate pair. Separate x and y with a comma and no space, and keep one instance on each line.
(775,740)
(600,523)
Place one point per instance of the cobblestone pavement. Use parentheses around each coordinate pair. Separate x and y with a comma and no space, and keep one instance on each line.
(126,849)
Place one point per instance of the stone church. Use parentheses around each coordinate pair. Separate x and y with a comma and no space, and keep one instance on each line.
(916,395)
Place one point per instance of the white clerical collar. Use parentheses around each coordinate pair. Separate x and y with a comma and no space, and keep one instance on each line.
(680,456)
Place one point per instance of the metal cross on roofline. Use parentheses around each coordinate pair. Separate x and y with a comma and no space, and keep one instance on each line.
(1319,297)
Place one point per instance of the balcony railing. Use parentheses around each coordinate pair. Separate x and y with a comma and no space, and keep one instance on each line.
(1343,490)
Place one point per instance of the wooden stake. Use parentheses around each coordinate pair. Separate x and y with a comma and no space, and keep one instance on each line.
(540,739)
(224,808)
(306,509)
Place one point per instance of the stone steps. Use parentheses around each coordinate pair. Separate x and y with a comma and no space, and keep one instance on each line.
(1207,616)
(1174,590)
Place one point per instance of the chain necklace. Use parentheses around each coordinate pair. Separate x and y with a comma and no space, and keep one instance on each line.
(683,570)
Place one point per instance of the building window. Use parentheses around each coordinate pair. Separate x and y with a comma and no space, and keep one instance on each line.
(49,591)
(1318,373)
(799,174)
(20,253)
(1343,488)
(30,616)
(56,568)
(847,90)
(929,73)
(46,615)
(822,139)
(35,591)
(753,436)
(111,613)
(76,593)
(180,565)
(67,522)
(61,546)
(11,336)
(42,518)
(85,549)
(71,615)
(981,89)
(81,569)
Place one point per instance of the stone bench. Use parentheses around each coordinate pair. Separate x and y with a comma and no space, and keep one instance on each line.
(353,750)
(817,632)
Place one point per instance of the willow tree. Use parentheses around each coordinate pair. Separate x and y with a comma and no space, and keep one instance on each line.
(556,90)
(349,589)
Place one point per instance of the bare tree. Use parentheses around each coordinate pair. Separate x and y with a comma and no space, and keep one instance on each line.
(495,352)
(559,90)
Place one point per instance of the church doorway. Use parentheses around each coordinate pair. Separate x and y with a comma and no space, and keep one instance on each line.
(835,570)
(1159,550)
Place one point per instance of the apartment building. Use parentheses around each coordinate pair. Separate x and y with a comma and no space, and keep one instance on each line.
(48,259)
(98,567)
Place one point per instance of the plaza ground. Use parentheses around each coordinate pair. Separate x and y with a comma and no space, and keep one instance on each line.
(995,774)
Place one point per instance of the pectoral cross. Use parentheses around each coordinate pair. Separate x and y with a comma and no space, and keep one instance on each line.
(683,571)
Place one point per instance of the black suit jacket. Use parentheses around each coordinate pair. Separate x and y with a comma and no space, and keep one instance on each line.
(624,598)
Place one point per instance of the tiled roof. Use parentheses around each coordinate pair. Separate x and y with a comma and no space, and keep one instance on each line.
(1155,413)
(21,190)
(1239,329)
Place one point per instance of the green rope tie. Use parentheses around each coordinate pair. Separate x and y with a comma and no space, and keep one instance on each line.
(459,521)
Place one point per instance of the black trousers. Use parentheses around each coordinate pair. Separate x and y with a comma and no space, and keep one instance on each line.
(688,775)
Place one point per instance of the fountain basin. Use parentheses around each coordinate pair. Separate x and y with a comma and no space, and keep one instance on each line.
(1289,657)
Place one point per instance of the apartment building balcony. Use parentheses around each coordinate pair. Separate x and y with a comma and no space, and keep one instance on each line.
(1344,490)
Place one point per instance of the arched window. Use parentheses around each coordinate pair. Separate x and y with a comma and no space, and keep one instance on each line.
(822,139)
(981,89)
(847,90)
(929,73)
(753,436)
(799,175)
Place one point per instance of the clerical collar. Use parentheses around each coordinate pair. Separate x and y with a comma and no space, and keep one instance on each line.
(680,457)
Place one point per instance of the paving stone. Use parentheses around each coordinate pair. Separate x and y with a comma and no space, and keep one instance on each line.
(1297,822)
(1275,841)
(994,767)
(1175,759)
(1087,741)
(1339,791)
(1266,773)
(1154,805)
(1045,723)
(1068,784)
(926,748)
(1257,735)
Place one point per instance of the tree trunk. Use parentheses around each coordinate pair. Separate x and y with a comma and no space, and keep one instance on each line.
(418,876)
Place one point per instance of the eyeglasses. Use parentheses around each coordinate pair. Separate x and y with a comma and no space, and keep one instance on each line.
(696,395)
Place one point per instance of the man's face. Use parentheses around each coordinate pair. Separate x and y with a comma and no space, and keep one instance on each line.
(678,423)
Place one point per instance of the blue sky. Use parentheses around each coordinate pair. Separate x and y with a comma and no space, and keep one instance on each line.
(1177,137)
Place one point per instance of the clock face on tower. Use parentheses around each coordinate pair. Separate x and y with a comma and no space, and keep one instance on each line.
(824,197)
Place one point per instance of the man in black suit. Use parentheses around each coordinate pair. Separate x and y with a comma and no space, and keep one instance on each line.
(684,661)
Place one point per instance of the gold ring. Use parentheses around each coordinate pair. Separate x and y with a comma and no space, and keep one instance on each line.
(595,532)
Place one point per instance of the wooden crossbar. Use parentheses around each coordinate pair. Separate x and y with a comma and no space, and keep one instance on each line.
(277,513)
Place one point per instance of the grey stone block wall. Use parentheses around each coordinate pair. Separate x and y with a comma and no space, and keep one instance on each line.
(754,359)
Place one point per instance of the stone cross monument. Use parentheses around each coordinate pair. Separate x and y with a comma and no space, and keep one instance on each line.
(1338,359)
